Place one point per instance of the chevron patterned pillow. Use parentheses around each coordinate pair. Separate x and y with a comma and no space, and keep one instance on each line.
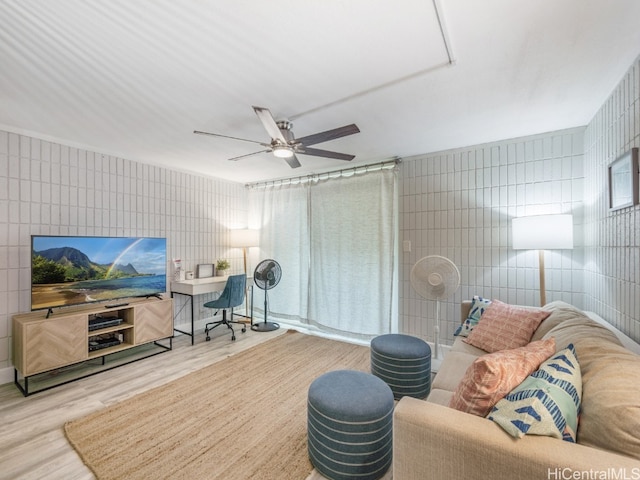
(478,306)
(545,403)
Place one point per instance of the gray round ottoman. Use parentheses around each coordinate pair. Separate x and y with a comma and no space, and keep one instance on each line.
(404,363)
(349,425)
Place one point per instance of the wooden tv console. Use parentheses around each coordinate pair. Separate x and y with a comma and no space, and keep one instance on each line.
(44,343)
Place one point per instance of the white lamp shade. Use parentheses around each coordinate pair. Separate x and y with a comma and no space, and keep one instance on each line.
(542,232)
(244,238)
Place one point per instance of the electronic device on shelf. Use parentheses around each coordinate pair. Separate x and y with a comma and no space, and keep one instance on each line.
(103,322)
(100,343)
(72,270)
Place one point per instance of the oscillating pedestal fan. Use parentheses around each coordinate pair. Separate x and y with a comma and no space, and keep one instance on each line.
(435,278)
(266,276)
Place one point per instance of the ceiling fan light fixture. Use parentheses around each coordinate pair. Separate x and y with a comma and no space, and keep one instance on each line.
(282,151)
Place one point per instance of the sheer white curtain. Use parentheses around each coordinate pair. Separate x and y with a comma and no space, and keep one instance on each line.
(281,214)
(336,242)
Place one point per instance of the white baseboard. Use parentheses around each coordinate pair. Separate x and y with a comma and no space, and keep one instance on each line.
(6,375)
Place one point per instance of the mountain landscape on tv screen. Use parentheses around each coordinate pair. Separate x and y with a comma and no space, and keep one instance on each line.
(74,270)
(68,264)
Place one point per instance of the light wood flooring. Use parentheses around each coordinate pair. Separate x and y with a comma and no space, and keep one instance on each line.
(32,442)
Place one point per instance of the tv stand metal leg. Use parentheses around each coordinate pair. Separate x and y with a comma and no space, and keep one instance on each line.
(24,390)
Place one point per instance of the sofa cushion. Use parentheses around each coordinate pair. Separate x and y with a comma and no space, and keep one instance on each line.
(459,345)
(610,417)
(505,327)
(492,376)
(560,312)
(546,403)
(441,397)
(610,409)
(478,306)
(580,328)
(452,370)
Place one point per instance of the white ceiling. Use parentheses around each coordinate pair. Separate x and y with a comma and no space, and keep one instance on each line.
(134,78)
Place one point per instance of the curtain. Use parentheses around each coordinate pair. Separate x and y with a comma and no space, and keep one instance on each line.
(281,214)
(335,240)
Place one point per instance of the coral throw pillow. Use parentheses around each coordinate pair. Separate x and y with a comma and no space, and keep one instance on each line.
(547,402)
(504,327)
(491,377)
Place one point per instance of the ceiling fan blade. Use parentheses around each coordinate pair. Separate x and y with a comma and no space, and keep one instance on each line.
(270,124)
(198,132)
(328,135)
(293,161)
(316,152)
(249,154)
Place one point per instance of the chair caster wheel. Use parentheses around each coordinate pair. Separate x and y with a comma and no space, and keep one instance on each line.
(244,329)
(233,338)
(208,338)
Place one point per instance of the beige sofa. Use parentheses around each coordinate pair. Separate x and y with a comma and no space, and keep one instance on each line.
(433,441)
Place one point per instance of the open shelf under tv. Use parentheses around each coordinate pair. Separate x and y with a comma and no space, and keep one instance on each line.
(47,349)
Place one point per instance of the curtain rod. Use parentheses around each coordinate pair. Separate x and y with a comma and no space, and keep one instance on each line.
(372,167)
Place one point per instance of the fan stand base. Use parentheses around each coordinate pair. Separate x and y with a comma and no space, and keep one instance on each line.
(265,327)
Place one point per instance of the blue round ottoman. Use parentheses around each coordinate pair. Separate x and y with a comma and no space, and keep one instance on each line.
(404,363)
(349,425)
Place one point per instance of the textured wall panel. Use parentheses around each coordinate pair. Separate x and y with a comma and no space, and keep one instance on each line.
(460,203)
(612,238)
(51,189)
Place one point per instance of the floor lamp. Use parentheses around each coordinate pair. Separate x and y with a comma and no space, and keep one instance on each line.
(244,239)
(542,232)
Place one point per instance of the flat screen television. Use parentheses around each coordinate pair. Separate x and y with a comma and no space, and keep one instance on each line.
(68,271)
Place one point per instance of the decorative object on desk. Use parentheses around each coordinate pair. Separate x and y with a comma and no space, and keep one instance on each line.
(542,232)
(178,273)
(435,278)
(222,266)
(189,275)
(205,270)
(244,238)
(623,181)
(266,276)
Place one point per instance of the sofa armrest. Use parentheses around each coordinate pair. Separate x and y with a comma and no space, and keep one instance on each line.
(433,441)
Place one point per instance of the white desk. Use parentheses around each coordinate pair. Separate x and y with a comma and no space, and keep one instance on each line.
(200,286)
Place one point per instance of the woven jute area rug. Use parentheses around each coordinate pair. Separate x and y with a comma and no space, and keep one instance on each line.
(244,417)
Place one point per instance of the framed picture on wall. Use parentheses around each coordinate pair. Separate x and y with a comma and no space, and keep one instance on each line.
(623,181)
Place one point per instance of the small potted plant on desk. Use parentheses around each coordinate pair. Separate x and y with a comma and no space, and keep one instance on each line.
(222,266)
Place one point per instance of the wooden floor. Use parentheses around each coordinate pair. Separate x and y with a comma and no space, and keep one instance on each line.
(32,442)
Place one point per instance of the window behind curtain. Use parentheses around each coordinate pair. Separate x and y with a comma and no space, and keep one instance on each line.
(336,242)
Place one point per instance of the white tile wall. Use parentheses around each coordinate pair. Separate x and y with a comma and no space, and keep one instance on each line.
(612,239)
(459,204)
(53,189)
(456,203)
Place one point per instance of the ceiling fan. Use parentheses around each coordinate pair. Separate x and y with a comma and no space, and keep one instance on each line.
(284,144)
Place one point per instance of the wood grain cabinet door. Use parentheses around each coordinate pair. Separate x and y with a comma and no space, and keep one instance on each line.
(153,321)
(55,343)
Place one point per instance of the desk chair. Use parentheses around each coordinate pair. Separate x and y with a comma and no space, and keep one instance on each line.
(232,296)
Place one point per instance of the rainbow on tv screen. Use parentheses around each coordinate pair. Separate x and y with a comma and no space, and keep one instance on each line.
(72,270)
